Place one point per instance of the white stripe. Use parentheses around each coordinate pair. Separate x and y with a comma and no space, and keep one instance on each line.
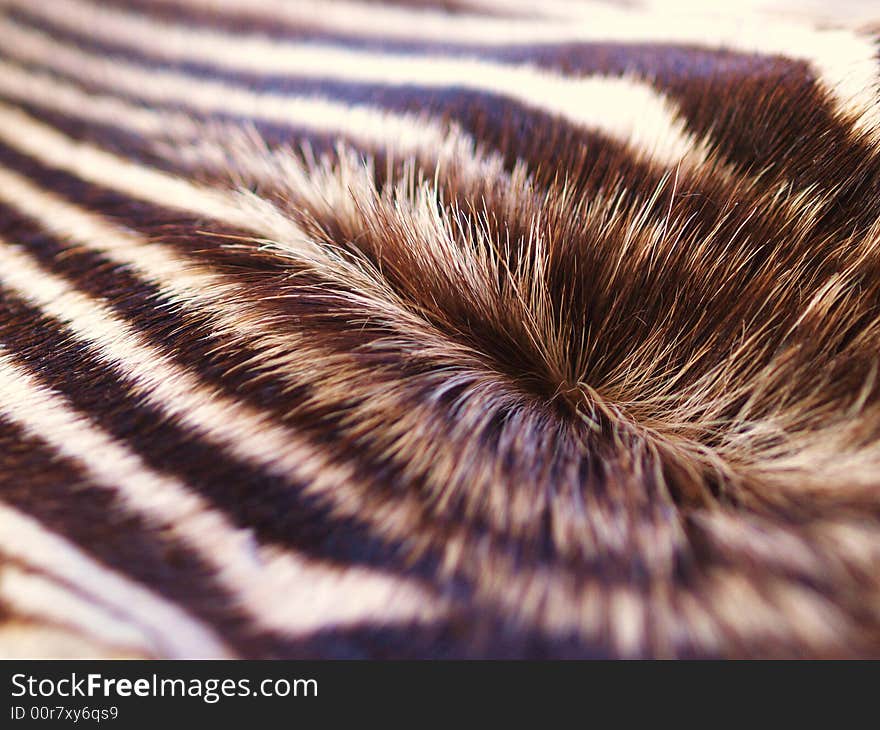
(851,14)
(630,111)
(161,626)
(27,593)
(21,638)
(282,591)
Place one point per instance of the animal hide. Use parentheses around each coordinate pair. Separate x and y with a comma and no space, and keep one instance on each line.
(481,328)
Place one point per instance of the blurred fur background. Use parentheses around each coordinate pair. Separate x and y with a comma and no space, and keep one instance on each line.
(481,328)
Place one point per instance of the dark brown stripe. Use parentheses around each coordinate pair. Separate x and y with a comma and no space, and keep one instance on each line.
(53,490)
(781,124)
(37,481)
(275,509)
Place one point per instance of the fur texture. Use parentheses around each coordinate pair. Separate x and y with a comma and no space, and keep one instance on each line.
(365,330)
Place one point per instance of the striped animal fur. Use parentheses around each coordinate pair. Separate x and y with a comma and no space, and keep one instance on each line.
(478,329)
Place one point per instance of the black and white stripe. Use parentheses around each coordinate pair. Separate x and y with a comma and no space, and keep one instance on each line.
(350,329)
